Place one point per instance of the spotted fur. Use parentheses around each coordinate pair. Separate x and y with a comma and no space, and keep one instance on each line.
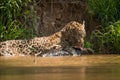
(72,34)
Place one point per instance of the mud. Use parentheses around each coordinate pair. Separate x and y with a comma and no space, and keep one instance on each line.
(53,15)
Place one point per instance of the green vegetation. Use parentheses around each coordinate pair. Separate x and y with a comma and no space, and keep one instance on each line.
(88,44)
(13,19)
(105,10)
(107,38)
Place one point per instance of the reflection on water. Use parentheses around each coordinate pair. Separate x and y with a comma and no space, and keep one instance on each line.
(60,68)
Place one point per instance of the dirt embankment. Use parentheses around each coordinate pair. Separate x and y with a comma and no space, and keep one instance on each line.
(52,15)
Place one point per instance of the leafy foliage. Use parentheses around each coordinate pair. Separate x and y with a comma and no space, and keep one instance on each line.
(88,44)
(105,10)
(11,12)
(108,38)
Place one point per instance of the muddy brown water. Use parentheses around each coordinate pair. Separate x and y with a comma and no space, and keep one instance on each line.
(91,67)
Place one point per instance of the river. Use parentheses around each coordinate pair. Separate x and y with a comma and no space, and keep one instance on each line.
(86,67)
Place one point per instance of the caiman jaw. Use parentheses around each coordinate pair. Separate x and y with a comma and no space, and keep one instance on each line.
(78,46)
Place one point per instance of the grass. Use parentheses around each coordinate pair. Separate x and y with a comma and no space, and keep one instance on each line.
(105,10)
(107,38)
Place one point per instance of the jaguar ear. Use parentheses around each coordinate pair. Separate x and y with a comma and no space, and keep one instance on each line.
(83,23)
